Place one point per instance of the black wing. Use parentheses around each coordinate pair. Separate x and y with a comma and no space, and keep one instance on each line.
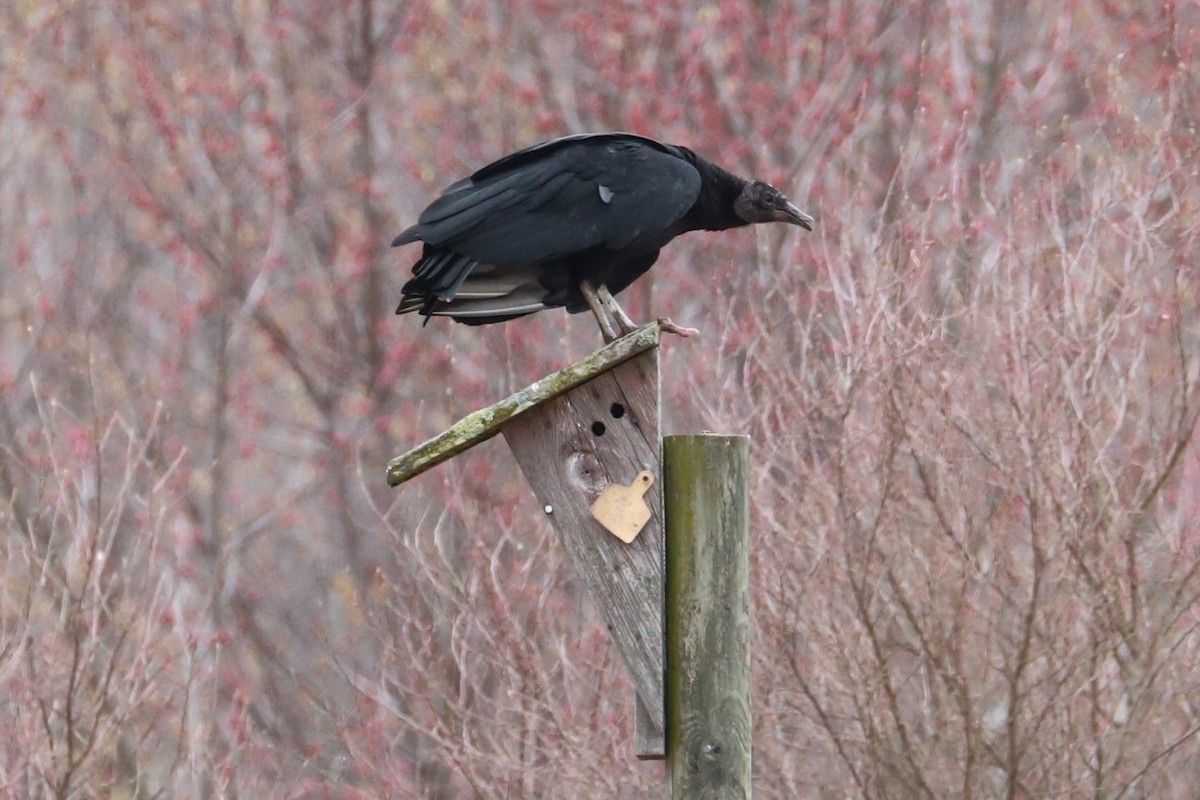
(559,198)
(533,152)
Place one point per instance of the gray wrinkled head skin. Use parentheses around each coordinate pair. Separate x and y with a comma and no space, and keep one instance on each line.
(762,202)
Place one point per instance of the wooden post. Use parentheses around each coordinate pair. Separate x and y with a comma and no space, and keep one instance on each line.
(708,616)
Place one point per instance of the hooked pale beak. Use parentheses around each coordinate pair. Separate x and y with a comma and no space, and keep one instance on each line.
(789,213)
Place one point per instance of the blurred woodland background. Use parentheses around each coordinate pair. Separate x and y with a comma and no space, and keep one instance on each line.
(972,393)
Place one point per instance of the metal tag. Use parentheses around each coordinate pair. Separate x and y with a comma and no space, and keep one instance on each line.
(621,509)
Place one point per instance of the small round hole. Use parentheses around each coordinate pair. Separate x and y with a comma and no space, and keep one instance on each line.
(598,428)
(617,410)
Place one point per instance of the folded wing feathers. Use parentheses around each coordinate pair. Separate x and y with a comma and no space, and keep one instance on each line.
(439,273)
(459,210)
(522,211)
(471,303)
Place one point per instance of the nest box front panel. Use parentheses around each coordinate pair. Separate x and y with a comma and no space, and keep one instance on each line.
(587,448)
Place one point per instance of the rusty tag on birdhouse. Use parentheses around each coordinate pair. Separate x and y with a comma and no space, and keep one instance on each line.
(622,510)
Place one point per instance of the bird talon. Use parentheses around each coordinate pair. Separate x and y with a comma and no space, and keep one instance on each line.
(667,326)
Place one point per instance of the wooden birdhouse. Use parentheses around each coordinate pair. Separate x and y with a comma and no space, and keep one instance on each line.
(588,441)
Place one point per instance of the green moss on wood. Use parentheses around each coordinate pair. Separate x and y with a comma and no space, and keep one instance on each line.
(485,423)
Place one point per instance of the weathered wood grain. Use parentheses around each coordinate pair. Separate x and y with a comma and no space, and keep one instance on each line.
(708,616)
(570,448)
(485,423)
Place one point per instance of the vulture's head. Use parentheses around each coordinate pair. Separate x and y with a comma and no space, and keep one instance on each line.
(762,202)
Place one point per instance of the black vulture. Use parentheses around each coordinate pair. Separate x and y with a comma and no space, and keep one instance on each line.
(571,222)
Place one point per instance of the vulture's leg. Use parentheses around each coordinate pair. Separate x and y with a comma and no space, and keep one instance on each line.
(610,305)
(627,325)
(597,306)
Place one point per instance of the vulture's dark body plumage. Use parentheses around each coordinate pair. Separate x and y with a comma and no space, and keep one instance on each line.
(524,233)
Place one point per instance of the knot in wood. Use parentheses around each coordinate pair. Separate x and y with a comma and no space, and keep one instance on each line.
(584,472)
